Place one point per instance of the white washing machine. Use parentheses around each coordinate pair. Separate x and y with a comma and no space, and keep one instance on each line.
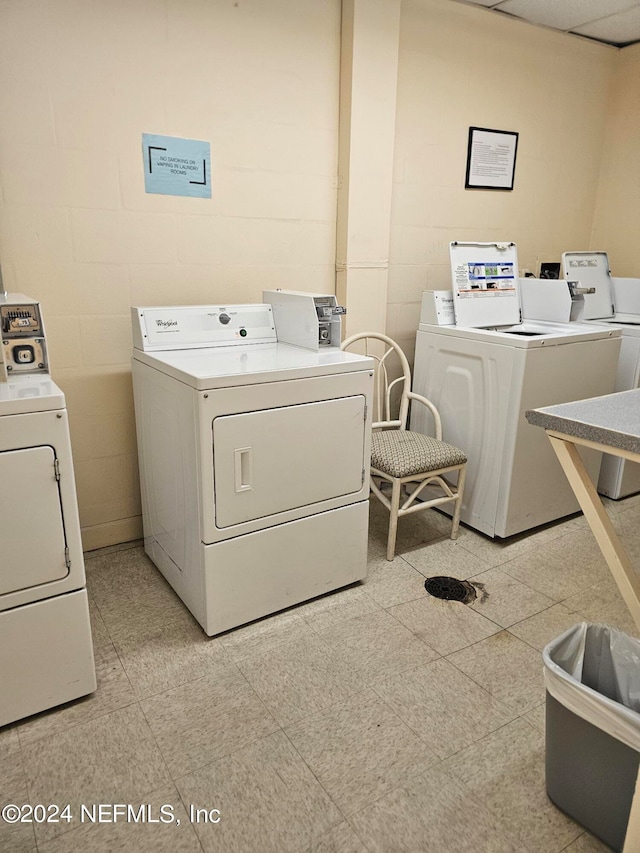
(254,460)
(46,652)
(483,374)
(611,301)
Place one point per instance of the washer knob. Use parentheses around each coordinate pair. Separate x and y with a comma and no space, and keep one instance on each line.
(224,319)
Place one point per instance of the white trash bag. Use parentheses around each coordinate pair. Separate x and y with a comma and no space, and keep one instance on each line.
(594,671)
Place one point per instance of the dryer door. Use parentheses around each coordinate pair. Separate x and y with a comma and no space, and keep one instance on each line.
(273,460)
(32,540)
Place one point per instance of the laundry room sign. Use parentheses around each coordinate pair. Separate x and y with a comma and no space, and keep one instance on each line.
(175,166)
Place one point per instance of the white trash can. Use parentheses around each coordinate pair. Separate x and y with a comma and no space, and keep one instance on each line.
(592,679)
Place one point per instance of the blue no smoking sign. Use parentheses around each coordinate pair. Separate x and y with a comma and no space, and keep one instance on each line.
(174,166)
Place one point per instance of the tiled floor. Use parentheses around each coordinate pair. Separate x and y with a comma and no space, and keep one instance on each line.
(374,719)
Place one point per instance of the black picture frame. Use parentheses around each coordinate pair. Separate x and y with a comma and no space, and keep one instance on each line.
(491,159)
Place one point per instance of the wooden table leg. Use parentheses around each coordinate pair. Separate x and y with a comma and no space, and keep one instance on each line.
(600,523)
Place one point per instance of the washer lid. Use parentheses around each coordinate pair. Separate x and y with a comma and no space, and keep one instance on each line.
(591,270)
(30,394)
(485,285)
(532,334)
(225,367)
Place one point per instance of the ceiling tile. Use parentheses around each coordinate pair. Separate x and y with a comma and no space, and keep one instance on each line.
(565,15)
(618,29)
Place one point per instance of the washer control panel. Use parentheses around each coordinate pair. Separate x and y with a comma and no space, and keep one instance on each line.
(23,343)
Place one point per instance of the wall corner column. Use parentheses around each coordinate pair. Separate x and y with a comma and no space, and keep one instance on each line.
(368,83)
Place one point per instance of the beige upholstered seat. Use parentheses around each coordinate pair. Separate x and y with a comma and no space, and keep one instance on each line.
(408,461)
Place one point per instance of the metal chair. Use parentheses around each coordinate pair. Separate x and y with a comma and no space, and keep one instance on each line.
(398,455)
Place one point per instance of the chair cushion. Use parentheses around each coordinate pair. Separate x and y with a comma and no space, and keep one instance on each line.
(401,453)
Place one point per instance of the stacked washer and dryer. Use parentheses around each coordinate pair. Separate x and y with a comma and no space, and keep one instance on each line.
(484,370)
(253,453)
(46,651)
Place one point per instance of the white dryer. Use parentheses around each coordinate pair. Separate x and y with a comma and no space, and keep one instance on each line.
(611,301)
(254,460)
(46,652)
(485,374)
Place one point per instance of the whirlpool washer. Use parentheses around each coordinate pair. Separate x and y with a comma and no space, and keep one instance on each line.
(486,370)
(254,460)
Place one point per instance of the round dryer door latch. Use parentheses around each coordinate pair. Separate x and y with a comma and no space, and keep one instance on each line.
(224,319)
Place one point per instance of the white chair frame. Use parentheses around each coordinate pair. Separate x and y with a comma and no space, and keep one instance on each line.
(384,421)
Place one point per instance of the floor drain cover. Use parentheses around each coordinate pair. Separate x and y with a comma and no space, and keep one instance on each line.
(451,589)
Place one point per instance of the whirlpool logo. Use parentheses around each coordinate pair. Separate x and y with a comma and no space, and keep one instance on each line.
(166,324)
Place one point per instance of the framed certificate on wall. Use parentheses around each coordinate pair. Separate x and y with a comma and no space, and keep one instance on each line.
(491,159)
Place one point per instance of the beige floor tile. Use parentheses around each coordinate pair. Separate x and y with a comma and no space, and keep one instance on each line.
(131,594)
(508,668)
(576,522)
(129,563)
(337,607)
(446,708)
(579,550)
(628,508)
(540,570)
(540,629)
(99,633)
(15,837)
(299,679)
(377,646)
(9,741)
(114,692)
(263,636)
(359,750)
(172,833)
(603,603)
(495,552)
(561,568)
(390,582)
(157,659)
(613,507)
(587,844)
(339,839)
(112,759)
(506,770)
(205,719)
(505,600)
(413,530)
(446,626)
(627,526)
(343,674)
(537,717)
(432,813)
(445,557)
(269,801)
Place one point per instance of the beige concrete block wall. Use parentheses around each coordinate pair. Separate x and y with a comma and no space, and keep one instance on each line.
(79,85)
(462,66)
(80,82)
(616,222)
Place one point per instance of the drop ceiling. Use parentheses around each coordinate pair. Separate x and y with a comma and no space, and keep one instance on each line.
(615,22)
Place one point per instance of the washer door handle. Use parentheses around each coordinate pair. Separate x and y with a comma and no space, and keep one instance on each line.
(242,466)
